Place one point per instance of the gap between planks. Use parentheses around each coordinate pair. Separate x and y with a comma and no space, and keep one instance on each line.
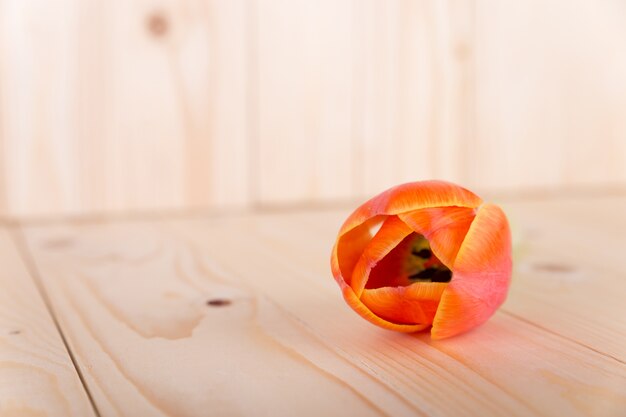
(17,235)
(570,339)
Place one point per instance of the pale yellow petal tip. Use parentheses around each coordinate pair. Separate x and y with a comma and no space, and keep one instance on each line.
(437,334)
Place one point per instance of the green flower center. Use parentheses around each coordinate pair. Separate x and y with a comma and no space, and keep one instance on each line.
(421,265)
(412,260)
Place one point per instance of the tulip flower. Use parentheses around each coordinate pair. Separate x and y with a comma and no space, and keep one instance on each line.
(424,254)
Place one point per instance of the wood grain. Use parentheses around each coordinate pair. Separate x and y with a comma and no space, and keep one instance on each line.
(570,272)
(37,377)
(304,53)
(158,105)
(413,91)
(240,315)
(118,106)
(549,86)
(156,342)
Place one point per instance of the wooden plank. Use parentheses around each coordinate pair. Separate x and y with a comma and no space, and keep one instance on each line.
(118,106)
(152,343)
(212,56)
(413,89)
(229,304)
(37,71)
(550,88)
(569,270)
(381,94)
(37,376)
(304,53)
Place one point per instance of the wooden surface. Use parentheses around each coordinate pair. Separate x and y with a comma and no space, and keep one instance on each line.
(118,106)
(37,377)
(239,315)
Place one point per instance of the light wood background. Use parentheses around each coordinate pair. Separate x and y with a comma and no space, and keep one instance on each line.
(116,106)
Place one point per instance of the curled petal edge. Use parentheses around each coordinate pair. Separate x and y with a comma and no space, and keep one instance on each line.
(482,275)
(364,311)
(411,196)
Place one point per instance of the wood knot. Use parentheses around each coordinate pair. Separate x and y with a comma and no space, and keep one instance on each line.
(551,267)
(157,24)
(218,302)
(58,243)
(462,51)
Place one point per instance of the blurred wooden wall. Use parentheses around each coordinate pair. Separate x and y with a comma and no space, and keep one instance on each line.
(143,105)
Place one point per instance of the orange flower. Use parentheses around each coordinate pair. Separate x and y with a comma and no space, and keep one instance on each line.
(424,253)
